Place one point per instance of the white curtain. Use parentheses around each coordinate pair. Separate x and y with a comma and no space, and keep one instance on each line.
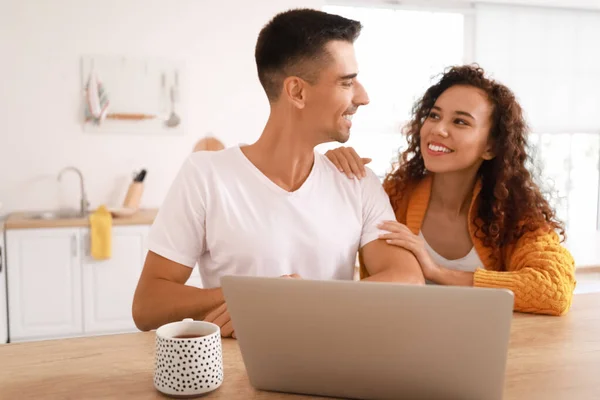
(398,53)
(549,57)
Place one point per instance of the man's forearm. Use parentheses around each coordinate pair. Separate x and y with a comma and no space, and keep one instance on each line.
(387,263)
(159,301)
(394,274)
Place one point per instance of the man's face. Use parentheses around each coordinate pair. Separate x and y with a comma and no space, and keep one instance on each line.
(334,98)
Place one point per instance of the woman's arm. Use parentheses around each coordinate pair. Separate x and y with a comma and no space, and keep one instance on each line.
(399,235)
(447,276)
(540,273)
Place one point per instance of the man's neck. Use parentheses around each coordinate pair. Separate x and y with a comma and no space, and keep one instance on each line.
(283,154)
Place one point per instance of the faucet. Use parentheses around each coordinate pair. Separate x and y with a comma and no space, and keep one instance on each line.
(84,203)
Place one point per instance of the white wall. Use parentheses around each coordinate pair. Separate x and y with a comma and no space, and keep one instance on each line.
(40,45)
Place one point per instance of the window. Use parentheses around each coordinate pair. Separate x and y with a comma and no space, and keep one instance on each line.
(396,69)
(548,58)
(568,165)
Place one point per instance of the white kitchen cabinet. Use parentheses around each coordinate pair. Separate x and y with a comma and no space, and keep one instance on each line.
(3,294)
(56,289)
(43,269)
(109,285)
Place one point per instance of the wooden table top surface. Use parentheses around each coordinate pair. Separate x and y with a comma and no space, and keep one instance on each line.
(549,358)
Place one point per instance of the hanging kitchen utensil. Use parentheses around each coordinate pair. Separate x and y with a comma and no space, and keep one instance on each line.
(176,87)
(164,98)
(174,119)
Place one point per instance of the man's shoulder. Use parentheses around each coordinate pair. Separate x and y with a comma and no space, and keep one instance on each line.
(205,158)
(327,165)
(203,167)
(369,180)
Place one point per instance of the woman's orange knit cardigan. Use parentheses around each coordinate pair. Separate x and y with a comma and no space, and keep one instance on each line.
(538,270)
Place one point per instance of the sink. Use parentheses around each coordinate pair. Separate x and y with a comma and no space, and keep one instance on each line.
(54,214)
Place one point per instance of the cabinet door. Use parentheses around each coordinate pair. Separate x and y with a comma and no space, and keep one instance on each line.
(109,285)
(44,283)
(3,295)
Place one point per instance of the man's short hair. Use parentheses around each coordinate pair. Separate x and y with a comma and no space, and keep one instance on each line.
(291,42)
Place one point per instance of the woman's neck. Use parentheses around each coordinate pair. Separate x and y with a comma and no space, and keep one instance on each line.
(452,193)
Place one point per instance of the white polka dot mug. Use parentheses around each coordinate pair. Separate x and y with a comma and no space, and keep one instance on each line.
(189,359)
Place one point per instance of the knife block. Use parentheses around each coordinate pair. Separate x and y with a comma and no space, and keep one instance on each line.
(133,196)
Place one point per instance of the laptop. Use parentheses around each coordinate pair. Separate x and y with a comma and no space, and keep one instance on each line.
(364,340)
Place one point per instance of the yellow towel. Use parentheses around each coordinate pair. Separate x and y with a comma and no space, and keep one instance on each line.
(100,233)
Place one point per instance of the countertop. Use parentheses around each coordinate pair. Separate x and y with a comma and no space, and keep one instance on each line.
(549,358)
(22,220)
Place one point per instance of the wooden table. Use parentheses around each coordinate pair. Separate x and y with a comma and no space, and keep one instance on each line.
(549,358)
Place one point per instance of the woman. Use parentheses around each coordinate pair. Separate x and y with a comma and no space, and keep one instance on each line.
(466,205)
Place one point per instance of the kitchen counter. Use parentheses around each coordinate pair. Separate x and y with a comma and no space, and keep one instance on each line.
(549,358)
(22,220)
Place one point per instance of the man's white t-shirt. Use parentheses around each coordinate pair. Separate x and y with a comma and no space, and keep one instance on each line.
(224,214)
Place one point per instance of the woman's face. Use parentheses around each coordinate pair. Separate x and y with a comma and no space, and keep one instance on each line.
(456,134)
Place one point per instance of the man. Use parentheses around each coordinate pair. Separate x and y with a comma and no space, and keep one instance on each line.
(275,207)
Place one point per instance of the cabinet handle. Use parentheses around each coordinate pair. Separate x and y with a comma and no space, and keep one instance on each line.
(74,246)
(0,258)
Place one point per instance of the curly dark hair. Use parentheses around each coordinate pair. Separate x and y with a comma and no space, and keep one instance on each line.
(510,203)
